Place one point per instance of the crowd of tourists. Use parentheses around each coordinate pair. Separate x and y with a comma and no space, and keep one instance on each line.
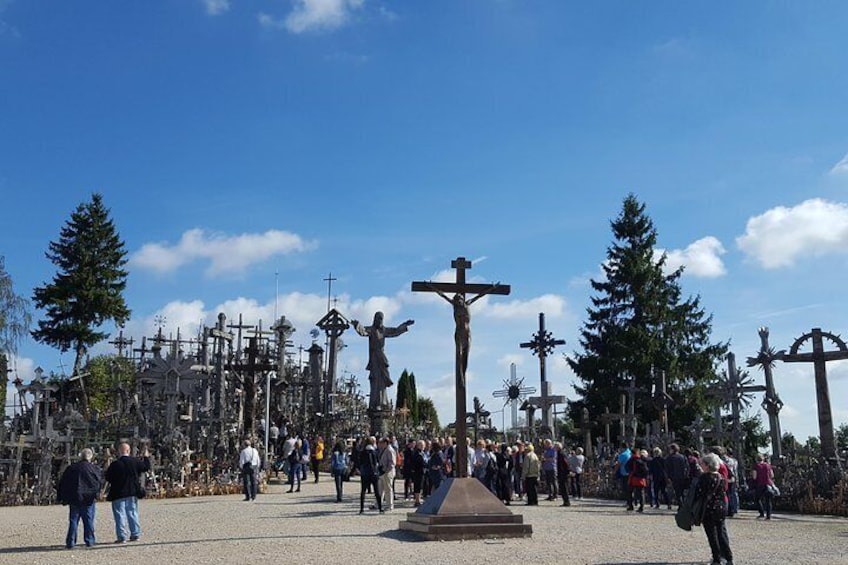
(705,488)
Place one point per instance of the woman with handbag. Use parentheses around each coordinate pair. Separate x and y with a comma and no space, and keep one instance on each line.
(710,491)
(763,480)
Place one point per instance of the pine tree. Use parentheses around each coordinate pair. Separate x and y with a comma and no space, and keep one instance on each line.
(88,289)
(638,323)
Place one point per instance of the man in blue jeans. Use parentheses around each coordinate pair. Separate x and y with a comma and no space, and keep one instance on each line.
(124,489)
(78,488)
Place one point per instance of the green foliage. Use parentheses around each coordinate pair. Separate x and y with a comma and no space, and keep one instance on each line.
(88,289)
(842,437)
(15,319)
(639,323)
(427,412)
(106,376)
(15,316)
(407,396)
(757,437)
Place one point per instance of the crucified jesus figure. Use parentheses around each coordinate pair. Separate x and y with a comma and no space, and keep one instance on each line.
(462,318)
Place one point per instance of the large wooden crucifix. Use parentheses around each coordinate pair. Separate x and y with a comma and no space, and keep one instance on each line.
(462,338)
(819,357)
(541,345)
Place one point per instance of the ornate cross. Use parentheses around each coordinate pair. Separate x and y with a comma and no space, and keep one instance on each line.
(541,345)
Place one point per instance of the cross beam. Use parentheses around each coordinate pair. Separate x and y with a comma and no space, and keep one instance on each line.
(462,338)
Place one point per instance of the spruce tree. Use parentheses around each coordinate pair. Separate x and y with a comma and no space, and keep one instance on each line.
(639,323)
(87,290)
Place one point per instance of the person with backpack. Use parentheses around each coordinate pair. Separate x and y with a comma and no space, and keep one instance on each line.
(637,479)
(338,467)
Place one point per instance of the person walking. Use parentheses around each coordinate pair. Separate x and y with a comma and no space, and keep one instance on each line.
(504,480)
(530,472)
(763,483)
(249,465)
(563,472)
(677,471)
(124,490)
(549,469)
(387,459)
(338,467)
(368,465)
(710,490)
(436,466)
(295,461)
(577,462)
(78,488)
(317,456)
(637,480)
(659,479)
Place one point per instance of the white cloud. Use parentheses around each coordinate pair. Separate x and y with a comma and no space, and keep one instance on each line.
(551,304)
(313,15)
(840,168)
(226,254)
(778,237)
(702,258)
(216,7)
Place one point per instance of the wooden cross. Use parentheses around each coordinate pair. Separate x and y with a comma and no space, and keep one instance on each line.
(771,403)
(462,338)
(819,357)
(121,342)
(542,344)
(631,389)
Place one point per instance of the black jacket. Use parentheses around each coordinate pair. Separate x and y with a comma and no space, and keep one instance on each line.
(123,476)
(80,484)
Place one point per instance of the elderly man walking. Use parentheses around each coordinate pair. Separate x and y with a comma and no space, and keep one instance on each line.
(78,488)
(124,490)
(387,458)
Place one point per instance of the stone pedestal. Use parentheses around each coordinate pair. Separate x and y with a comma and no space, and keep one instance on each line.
(379,421)
(463,509)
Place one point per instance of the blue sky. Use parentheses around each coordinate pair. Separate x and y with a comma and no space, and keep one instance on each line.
(377,140)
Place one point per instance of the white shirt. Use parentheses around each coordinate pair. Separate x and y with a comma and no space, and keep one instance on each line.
(249,455)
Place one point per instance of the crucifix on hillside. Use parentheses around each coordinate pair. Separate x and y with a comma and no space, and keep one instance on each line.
(462,338)
(542,344)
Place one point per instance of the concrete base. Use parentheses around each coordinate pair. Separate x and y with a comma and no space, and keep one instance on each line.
(463,509)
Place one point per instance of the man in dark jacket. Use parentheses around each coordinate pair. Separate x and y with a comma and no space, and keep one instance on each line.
(677,470)
(78,488)
(124,489)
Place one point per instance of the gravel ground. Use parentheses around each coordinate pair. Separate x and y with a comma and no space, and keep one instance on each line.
(308,527)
